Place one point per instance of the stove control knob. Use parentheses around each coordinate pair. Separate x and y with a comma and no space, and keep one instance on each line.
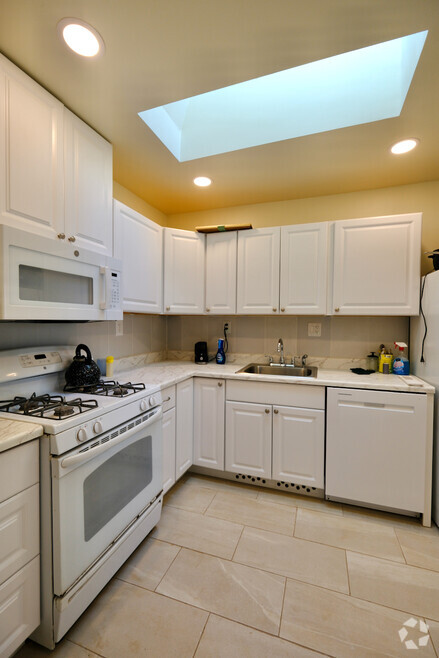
(82,434)
(143,405)
(97,427)
(152,401)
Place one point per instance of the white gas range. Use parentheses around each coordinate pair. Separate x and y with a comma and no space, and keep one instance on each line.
(101,476)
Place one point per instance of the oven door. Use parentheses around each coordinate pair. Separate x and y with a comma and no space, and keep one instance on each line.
(98,490)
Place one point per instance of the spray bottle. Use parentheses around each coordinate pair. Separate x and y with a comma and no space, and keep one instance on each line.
(401,365)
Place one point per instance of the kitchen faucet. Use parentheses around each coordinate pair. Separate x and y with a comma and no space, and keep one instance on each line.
(280,348)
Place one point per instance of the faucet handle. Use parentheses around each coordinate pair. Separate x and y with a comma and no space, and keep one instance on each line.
(270,358)
(304,358)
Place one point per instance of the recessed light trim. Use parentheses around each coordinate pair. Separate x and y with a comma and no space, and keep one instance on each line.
(404,146)
(202,181)
(81,37)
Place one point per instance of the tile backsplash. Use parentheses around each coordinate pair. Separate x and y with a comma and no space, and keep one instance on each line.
(341,337)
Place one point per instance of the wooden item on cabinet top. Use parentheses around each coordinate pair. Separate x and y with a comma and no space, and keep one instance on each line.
(220,228)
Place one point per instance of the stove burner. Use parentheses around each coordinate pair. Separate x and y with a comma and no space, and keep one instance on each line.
(120,391)
(63,410)
(47,406)
(109,388)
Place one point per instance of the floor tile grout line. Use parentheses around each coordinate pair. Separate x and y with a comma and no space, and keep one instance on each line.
(175,557)
(426,620)
(347,572)
(201,634)
(66,639)
(282,606)
(233,554)
(401,548)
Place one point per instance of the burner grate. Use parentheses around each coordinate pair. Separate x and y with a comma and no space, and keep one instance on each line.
(47,406)
(109,388)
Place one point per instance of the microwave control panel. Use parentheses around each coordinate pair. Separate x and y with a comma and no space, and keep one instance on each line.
(114,301)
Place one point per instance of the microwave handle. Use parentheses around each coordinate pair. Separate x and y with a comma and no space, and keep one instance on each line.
(88,455)
(105,273)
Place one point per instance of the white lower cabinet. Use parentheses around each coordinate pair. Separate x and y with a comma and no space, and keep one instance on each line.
(184,430)
(19,546)
(168,429)
(248,438)
(299,446)
(209,397)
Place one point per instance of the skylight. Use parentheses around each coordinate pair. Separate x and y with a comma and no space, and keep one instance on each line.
(357,87)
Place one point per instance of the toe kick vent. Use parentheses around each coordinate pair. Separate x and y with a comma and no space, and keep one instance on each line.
(289,486)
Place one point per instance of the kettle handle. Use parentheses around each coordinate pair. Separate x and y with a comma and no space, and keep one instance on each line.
(86,350)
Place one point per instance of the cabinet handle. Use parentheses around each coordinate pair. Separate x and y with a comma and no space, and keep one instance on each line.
(336,309)
(72,238)
(167,399)
(276,411)
(274,309)
(267,411)
(220,383)
(168,308)
(61,236)
(283,310)
(207,309)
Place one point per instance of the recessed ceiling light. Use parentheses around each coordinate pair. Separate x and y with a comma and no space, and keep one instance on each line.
(405,146)
(81,37)
(202,181)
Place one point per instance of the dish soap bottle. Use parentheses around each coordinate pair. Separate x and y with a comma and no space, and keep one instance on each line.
(220,355)
(401,365)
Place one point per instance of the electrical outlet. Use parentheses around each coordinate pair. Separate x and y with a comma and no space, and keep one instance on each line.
(119,327)
(228,326)
(314,329)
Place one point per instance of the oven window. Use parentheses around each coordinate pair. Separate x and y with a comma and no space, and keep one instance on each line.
(40,285)
(115,483)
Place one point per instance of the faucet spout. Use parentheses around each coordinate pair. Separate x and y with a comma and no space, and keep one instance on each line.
(280,348)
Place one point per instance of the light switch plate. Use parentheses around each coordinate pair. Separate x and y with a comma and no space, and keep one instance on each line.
(314,329)
(119,327)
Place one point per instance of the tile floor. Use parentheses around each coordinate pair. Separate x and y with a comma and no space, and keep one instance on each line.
(233,570)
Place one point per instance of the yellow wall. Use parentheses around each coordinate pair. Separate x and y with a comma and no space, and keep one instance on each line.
(136,203)
(421,197)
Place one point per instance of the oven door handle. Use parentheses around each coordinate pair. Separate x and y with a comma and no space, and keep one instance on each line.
(87,455)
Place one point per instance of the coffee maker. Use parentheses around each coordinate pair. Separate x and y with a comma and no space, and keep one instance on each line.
(201,352)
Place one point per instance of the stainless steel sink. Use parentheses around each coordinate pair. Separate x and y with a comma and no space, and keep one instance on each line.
(278,370)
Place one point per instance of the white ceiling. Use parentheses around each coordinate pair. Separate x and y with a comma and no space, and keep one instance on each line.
(165,50)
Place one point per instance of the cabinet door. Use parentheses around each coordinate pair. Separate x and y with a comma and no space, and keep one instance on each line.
(376,448)
(138,243)
(184,427)
(209,396)
(303,269)
(19,530)
(168,428)
(88,186)
(19,607)
(258,271)
(248,438)
(377,265)
(31,154)
(221,253)
(299,446)
(183,271)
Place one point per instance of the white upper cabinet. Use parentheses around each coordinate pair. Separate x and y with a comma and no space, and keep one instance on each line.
(183,271)
(304,269)
(258,271)
(88,161)
(31,154)
(221,253)
(377,265)
(139,243)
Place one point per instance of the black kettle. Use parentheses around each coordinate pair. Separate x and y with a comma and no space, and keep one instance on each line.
(83,371)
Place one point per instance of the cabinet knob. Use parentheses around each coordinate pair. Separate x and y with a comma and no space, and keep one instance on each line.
(220,383)
(276,411)
(72,238)
(267,411)
(283,310)
(336,309)
(168,308)
(274,309)
(61,236)
(207,309)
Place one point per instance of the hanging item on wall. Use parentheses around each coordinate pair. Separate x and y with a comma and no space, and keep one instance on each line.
(434,255)
(221,228)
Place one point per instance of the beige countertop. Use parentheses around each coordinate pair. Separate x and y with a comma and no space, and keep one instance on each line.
(15,432)
(157,376)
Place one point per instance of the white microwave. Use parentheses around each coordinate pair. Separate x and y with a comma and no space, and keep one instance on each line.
(41,279)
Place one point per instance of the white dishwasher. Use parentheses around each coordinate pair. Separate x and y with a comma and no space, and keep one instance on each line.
(376,448)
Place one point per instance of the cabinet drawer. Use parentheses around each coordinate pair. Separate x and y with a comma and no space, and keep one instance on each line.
(19,607)
(292,395)
(168,397)
(19,469)
(19,531)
